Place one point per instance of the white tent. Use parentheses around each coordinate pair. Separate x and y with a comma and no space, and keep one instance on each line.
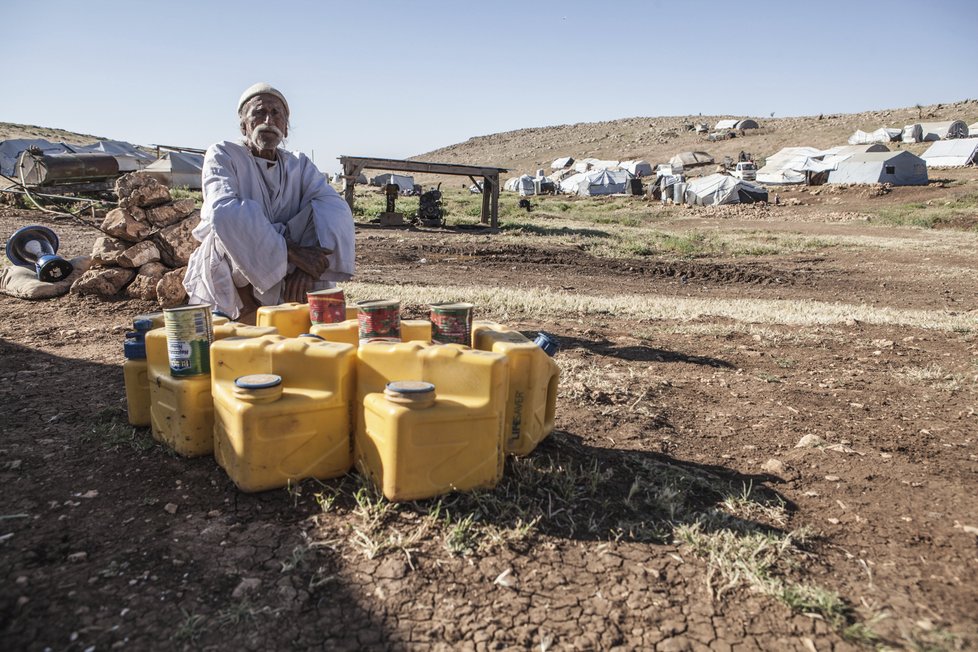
(881,135)
(128,156)
(561,163)
(726,124)
(684,160)
(912,134)
(522,184)
(717,189)
(637,168)
(943,130)
(783,167)
(597,182)
(973,129)
(178,169)
(952,153)
(896,168)
(735,123)
(404,183)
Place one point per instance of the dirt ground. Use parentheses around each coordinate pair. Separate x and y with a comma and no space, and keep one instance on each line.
(107,541)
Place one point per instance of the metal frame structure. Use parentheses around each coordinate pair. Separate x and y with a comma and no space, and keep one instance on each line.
(354,165)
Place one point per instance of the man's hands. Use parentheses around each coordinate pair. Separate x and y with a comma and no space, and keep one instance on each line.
(310,263)
(311,260)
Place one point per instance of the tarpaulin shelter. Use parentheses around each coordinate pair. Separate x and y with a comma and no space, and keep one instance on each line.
(881,135)
(597,182)
(952,153)
(178,169)
(784,166)
(128,156)
(522,184)
(943,130)
(973,130)
(561,163)
(404,182)
(718,189)
(912,134)
(735,123)
(896,168)
(690,160)
(638,168)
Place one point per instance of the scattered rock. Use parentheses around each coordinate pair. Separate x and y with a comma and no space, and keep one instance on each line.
(170,508)
(170,291)
(774,467)
(103,282)
(246,586)
(76,557)
(810,441)
(505,578)
(832,478)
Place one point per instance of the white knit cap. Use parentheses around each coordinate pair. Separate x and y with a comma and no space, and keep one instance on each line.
(261,88)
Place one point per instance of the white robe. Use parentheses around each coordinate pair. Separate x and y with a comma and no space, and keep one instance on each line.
(250,208)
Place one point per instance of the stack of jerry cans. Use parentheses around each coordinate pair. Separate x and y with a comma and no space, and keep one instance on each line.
(531,399)
(181,408)
(449,440)
(282,409)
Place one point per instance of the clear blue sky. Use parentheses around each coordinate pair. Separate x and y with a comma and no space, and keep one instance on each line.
(396,79)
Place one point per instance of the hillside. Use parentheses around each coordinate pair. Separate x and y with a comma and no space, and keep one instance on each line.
(656,139)
(11,130)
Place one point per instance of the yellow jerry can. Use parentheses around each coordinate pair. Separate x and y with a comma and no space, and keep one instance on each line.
(430,418)
(181,408)
(290,319)
(282,409)
(412,330)
(531,401)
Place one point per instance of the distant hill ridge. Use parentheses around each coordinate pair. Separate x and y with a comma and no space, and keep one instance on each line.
(656,139)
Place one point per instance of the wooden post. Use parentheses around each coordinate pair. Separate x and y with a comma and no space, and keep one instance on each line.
(486,185)
(495,203)
(349,171)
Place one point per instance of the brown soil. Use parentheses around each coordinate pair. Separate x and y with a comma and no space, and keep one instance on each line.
(92,559)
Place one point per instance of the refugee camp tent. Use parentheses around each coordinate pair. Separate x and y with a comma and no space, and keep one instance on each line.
(784,166)
(404,182)
(896,168)
(973,130)
(597,182)
(912,134)
(952,153)
(717,189)
(690,160)
(637,168)
(178,169)
(943,130)
(561,163)
(128,156)
(881,135)
(745,123)
(522,184)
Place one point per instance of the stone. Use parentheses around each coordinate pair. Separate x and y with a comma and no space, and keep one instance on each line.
(104,282)
(121,224)
(169,291)
(129,183)
(141,190)
(774,467)
(177,242)
(144,285)
(170,508)
(810,441)
(106,250)
(245,586)
(139,254)
(77,556)
(167,214)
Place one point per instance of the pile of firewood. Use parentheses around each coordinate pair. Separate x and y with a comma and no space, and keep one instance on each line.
(146,245)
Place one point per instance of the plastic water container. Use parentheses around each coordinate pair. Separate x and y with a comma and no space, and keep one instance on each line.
(282,409)
(289,319)
(181,408)
(135,370)
(531,400)
(347,332)
(156,318)
(416,442)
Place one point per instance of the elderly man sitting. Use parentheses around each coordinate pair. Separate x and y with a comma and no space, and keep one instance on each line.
(271,228)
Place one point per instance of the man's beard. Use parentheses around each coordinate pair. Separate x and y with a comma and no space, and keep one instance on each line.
(256,133)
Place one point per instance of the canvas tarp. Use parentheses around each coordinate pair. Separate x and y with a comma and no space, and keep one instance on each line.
(952,153)
(881,135)
(597,182)
(128,156)
(973,129)
(912,134)
(718,189)
(522,184)
(561,163)
(783,167)
(830,158)
(690,159)
(637,168)
(896,168)
(726,124)
(404,182)
(943,130)
(178,169)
